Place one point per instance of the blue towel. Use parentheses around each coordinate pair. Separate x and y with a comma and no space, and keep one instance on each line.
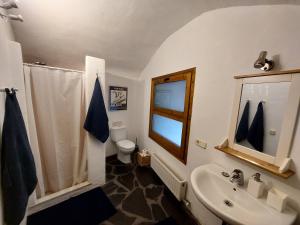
(256,131)
(96,122)
(242,130)
(18,172)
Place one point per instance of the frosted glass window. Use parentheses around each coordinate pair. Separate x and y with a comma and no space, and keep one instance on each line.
(170,95)
(168,128)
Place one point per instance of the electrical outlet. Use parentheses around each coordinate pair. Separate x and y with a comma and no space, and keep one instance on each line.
(201,143)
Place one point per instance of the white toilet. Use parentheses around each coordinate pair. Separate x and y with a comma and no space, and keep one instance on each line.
(125,147)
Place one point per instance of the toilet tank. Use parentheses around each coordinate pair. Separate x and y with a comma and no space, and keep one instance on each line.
(118,133)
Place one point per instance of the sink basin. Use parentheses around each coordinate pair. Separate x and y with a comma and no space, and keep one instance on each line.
(234,204)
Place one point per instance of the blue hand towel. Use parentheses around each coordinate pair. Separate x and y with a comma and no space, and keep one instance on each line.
(18,172)
(256,131)
(242,131)
(96,122)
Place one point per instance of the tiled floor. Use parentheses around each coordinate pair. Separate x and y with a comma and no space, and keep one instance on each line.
(140,197)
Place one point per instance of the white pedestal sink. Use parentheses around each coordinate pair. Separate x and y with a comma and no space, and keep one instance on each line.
(234,204)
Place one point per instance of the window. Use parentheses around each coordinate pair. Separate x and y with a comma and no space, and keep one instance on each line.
(171,110)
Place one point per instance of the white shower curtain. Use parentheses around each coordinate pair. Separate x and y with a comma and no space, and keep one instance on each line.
(55,103)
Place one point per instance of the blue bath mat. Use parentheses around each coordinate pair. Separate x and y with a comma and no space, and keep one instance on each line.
(168,221)
(90,208)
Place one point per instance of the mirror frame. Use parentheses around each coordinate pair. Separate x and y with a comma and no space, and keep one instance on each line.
(289,118)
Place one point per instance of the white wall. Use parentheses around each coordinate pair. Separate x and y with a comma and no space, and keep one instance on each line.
(6,29)
(128,117)
(11,75)
(221,44)
(95,148)
(5,35)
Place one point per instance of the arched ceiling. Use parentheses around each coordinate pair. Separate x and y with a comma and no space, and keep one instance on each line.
(125,33)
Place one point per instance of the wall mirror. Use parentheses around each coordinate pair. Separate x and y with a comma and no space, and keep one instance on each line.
(263,120)
(260,117)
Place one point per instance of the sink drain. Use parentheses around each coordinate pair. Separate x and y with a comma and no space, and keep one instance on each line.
(228,203)
(224,174)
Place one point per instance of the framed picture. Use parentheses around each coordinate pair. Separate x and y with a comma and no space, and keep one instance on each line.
(118,98)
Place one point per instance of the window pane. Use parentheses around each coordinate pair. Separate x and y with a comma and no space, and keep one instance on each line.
(170,95)
(168,128)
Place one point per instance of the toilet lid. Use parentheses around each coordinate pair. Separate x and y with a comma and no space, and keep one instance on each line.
(126,144)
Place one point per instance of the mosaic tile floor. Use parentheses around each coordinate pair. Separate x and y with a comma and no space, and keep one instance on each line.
(140,197)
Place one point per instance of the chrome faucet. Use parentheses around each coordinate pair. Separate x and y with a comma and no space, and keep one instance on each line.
(237,177)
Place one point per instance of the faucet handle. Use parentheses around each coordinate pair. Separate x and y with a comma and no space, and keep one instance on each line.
(237,171)
(256,177)
(237,176)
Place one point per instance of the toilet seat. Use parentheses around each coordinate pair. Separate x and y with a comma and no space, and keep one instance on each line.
(126,145)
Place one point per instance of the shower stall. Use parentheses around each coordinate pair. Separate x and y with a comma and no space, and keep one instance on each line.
(55,102)
(68,160)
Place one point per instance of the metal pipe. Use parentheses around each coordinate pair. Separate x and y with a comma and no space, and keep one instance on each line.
(12,17)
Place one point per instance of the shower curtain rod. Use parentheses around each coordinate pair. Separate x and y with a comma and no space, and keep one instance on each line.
(53,68)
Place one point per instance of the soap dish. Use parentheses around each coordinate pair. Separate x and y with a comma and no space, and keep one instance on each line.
(277,199)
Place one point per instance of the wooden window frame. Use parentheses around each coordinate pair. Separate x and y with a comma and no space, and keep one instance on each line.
(185,117)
